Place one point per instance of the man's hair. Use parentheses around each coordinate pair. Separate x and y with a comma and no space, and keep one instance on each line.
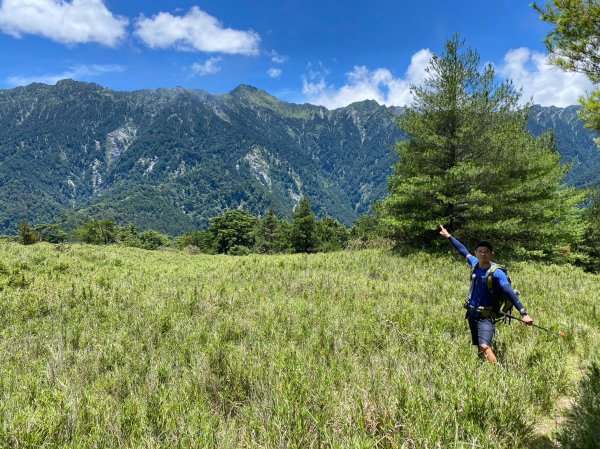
(486,244)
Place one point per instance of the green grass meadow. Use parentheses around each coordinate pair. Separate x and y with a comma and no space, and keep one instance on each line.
(106,347)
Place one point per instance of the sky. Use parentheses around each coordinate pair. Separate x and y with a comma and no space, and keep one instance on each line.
(325,52)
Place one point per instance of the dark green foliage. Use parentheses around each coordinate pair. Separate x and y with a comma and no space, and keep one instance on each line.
(366,228)
(97,232)
(233,228)
(239,250)
(574,142)
(285,236)
(582,428)
(235,232)
(51,233)
(152,240)
(127,235)
(28,236)
(204,240)
(268,234)
(591,241)
(573,43)
(330,235)
(302,236)
(469,163)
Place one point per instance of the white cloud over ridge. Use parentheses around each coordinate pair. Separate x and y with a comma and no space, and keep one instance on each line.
(363,84)
(67,22)
(547,84)
(78,72)
(208,67)
(274,72)
(195,31)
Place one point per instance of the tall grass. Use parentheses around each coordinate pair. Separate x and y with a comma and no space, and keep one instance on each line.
(120,347)
(582,428)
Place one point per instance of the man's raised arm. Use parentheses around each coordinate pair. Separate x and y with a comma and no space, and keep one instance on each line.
(459,246)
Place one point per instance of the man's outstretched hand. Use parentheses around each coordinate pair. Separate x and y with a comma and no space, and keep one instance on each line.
(444,232)
(527,320)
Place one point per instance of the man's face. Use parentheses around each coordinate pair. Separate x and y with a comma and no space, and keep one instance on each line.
(484,254)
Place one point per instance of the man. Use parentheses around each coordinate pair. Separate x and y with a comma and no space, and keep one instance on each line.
(480,298)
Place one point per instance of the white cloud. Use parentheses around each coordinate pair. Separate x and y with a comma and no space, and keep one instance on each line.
(363,84)
(547,84)
(208,67)
(277,58)
(68,22)
(195,31)
(79,72)
(274,73)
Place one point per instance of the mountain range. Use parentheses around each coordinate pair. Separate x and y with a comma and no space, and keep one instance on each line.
(170,159)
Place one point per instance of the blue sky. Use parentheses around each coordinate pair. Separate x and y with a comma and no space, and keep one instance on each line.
(323,52)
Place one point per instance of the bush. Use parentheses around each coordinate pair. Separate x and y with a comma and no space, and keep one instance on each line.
(239,250)
(152,240)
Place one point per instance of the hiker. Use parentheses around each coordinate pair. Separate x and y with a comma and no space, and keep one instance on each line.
(480,305)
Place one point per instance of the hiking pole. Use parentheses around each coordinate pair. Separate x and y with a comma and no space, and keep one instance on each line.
(559,334)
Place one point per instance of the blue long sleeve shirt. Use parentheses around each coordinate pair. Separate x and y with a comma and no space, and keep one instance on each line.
(480,295)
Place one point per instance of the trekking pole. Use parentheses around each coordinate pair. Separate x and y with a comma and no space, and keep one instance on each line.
(559,334)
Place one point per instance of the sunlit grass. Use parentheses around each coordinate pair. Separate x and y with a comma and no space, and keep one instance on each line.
(120,347)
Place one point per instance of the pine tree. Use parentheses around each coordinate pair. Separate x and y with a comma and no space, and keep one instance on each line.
(303,228)
(469,163)
(267,234)
(574,46)
(27,236)
(330,235)
(591,242)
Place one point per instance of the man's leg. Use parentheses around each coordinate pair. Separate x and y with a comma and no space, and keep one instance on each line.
(486,352)
(482,333)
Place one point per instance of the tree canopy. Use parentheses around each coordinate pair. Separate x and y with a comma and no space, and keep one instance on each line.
(574,45)
(469,163)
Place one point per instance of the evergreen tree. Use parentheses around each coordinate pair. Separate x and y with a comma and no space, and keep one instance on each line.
(574,46)
(365,228)
(591,241)
(470,163)
(97,232)
(152,239)
(233,228)
(27,236)
(127,235)
(330,235)
(268,239)
(204,240)
(303,228)
(51,233)
(285,236)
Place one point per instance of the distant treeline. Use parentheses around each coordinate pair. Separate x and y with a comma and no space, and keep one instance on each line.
(235,232)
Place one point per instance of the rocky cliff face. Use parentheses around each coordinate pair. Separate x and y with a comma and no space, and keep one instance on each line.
(172,158)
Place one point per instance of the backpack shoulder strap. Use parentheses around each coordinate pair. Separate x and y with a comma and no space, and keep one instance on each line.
(490,274)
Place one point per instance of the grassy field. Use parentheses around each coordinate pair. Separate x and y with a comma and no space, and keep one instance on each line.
(121,347)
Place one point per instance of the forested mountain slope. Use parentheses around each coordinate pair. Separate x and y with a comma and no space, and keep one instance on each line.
(169,159)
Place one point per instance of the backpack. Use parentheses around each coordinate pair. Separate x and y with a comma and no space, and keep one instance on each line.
(501,304)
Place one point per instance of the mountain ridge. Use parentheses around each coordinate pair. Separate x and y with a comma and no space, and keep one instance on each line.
(171,158)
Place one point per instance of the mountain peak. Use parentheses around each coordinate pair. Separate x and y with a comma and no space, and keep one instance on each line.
(246,91)
(245,88)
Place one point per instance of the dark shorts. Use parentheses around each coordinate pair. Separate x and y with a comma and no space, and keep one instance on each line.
(482,331)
